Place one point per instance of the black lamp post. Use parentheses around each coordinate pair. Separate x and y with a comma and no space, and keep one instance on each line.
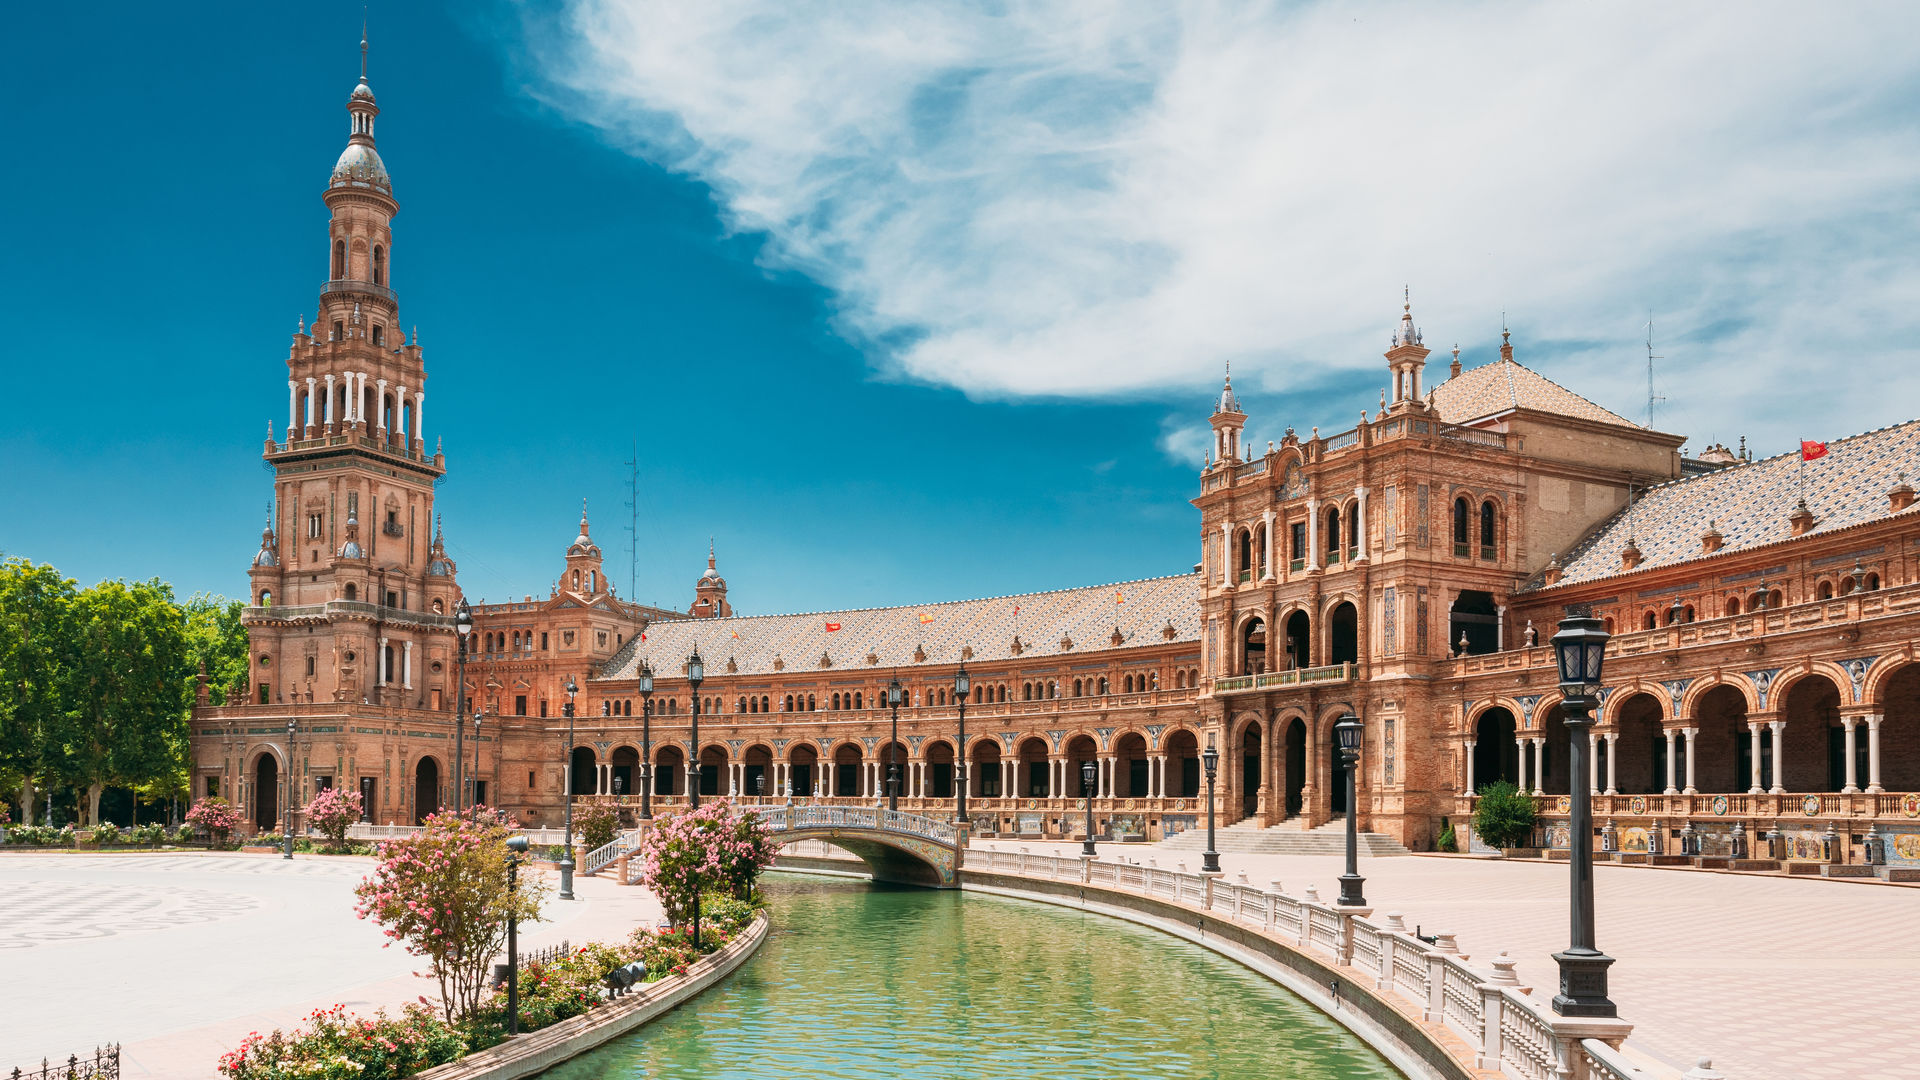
(1210,759)
(286,812)
(893,746)
(696,672)
(516,847)
(1580,649)
(1347,731)
(476,766)
(646,742)
(1088,774)
(566,858)
(463,626)
(962,686)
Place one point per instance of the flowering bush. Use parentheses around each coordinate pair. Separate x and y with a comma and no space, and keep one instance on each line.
(183,834)
(442,892)
(342,1045)
(104,832)
(6,815)
(151,834)
(596,825)
(719,847)
(216,816)
(36,835)
(333,812)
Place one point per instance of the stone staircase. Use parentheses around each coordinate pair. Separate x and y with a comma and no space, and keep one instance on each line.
(1286,838)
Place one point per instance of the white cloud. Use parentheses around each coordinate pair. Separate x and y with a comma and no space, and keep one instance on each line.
(1081,200)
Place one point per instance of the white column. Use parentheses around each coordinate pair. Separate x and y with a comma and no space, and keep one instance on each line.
(1593,762)
(359,397)
(1226,553)
(380,404)
(1525,747)
(1468,790)
(327,413)
(380,665)
(1672,765)
(1873,755)
(1500,628)
(1753,733)
(1690,789)
(406,664)
(1360,534)
(1313,535)
(1539,766)
(400,411)
(309,401)
(1853,780)
(1613,741)
(419,425)
(1267,519)
(293,406)
(1779,761)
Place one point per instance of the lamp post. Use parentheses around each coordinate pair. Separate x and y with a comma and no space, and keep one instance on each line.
(476,766)
(1210,759)
(646,742)
(893,745)
(287,811)
(1580,649)
(760,787)
(516,847)
(566,857)
(962,686)
(696,673)
(1088,771)
(463,626)
(1347,731)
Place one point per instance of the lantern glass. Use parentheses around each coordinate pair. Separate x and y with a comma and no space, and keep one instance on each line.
(696,667)
(646,679)
(962,682)
(463,620)
(572,687)
(1087,770)
(1348,730)
(893,692)
(1211,759)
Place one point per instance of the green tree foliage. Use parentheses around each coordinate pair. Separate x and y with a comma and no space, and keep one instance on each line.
(129,698)
(217,644)
(36,655)
(1504,815)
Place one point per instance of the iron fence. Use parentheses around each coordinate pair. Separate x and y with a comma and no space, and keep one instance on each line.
(104,1065)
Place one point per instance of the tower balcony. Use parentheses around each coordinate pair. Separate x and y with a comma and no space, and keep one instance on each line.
(366,287)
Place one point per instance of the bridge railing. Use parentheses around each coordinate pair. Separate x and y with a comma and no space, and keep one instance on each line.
(787,818)
(603,856)
(1504,1026)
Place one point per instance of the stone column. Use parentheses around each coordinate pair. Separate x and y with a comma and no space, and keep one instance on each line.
(1226,554)
(380,665)
(1779,760)
(1360,534)
(310,381)
(1853,780)
(1692,732)
(1593,762)
(1267,519)
(419,426)
(1873,754)
(1522,743)
(1613,741)
(327,412)
(1469,744)
(1753,733)
(406,664)
(1313,535)
(1672,765)
(293,406)
(380,404)
(400,411)
(1539,765)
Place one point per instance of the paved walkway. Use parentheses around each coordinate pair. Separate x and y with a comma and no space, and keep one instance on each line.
(1774,978)
(179,957)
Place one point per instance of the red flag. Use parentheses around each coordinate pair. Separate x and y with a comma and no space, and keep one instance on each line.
(1810,449)
(1016,609)
(643,636)
(832,626)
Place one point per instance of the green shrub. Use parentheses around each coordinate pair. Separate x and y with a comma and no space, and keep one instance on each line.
(724,914)
(1504,816)
(104,832)
(348,1047)
(596,825)
(152,834)
(1448,841)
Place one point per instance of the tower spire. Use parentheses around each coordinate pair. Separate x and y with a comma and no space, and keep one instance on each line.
(363,44)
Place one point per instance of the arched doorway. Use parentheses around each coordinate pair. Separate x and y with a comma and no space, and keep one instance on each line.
(895,765)
(1813,742)
(1296,778)
(713,771)
(1034,781)
(1250,774)
(1253,647)
(266,793)
(586,772)
(1495,755)
(1299,640)
(1183,765)
(1899,733)
(1721,751)
(426,789)
(846,771)
(803,770)
(939,775)
(626,770)
(1477,618)
(1641,768)
(1553,754)
(1081,749)
(985,779)
(669,765)
(1343,635)
(1131,767)
(757,770)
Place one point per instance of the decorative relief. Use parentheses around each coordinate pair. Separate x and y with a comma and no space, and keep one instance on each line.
(1856,670)
(1763,682)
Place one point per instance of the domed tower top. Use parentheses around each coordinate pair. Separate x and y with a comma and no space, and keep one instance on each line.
(710,592)
(360,165)
(584,575)
(1406,357)
(1228,422)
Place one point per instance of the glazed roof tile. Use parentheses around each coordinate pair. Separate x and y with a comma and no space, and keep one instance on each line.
(1750,504)
(1509,384)
(1088,616)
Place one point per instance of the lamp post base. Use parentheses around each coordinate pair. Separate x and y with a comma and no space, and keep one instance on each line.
(1583,984)
(1210,863)
(1350,895)
(566,877)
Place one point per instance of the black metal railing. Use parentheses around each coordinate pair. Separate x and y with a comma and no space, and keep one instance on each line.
(104,1065)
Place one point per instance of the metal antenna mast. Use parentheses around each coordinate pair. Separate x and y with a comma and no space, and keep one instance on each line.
(1651,396)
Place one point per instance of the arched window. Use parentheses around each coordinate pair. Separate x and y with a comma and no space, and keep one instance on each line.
(1461,511)
(266,597)
(1076,688)
(857,699)
(1733,605)
(1180,680)
(763,703)
(1489,517)
(352,590)
(789,704)
(593,581)
(741,706)
(1873,582)
(1609,624)
(1650,621)
(1126,684)
(379,265)
(1776,599)
(339,259)
(1103,685)
(836,703)
(1826,590)
(810,705)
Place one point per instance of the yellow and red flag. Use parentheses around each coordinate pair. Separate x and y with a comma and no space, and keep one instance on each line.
(1118,598)
(925,618)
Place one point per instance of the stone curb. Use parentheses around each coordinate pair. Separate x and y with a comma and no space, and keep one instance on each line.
(538,1051)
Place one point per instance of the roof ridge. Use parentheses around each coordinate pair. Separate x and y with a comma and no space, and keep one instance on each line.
(931,603)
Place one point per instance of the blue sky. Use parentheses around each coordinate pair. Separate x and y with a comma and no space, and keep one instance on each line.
(908,302)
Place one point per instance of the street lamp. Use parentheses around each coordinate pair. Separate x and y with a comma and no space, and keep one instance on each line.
(893,746)
(1087,776)
(516,848)
(962,686)
(1210,759)
(760,787)
(566,858)
(646,742)
(1580,649)
(463,626)
(696,673)
(1347,731)
(476,766)
(287,811)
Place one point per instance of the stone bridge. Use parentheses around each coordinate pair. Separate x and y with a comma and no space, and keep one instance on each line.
(899,847)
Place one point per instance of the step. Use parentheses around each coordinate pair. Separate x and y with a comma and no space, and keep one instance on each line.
(1250,838)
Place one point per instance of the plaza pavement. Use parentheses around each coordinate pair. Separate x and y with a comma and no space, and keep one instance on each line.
(179,956)
(1774,978)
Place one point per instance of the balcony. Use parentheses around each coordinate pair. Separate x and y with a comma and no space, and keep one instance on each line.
(367,287)
(1278,680)
(393,528)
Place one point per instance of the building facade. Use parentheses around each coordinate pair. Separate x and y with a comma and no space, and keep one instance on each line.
(1408,570)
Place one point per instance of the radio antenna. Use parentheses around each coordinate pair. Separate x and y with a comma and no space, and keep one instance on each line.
(1652,397)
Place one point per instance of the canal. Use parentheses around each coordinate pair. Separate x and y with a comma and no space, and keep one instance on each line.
(860,981)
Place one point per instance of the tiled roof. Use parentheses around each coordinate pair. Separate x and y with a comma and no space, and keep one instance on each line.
(1088,616)
(1749,504)
(1508,384)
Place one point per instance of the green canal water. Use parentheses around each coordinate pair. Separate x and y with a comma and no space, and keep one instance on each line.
(860,981)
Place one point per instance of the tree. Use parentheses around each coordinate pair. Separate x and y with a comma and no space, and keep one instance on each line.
(442,893)
(217,644)
(718,846)
(217,816)
(1504,815)
(596,824)
(35,658)
(333,812)
(129,691)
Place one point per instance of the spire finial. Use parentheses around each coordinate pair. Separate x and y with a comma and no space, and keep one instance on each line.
(709,552)
(1406,299)
(363,44)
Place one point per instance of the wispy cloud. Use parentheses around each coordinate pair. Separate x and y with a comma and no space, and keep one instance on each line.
(1081,200)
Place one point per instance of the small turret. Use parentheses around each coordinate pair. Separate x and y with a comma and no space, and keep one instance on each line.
(1406,359)
(1228,422)
(710,592)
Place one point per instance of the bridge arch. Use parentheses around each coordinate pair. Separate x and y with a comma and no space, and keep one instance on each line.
(905,848)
